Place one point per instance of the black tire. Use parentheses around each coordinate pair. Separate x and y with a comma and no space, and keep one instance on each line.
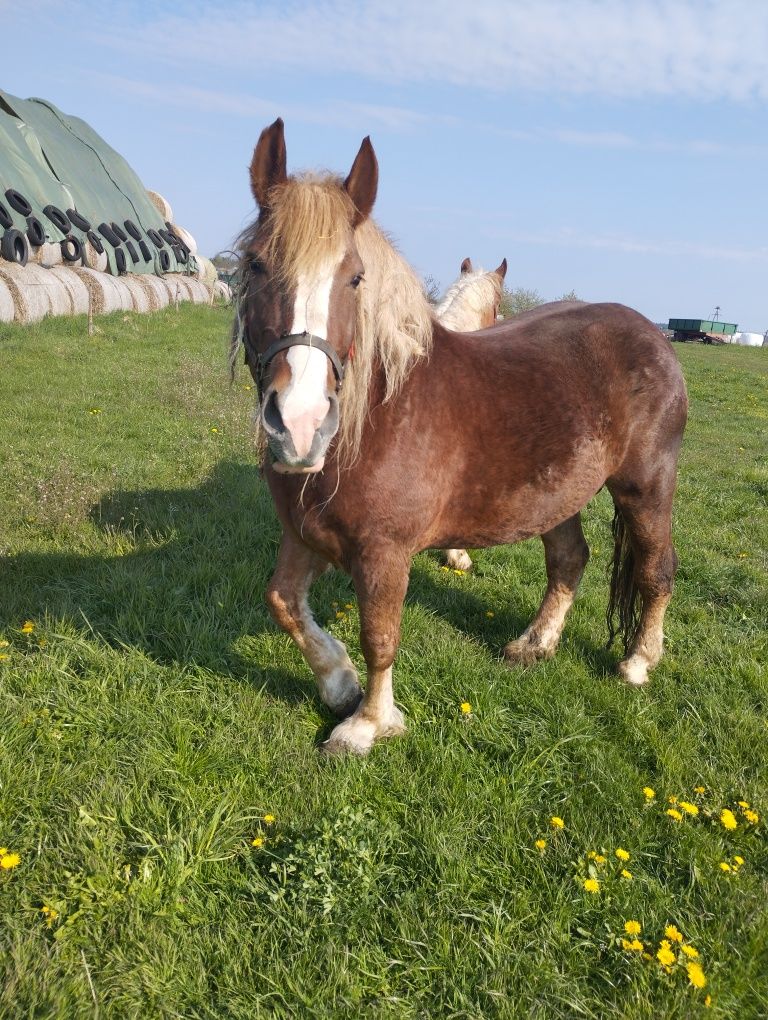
(145,252)
(14,247)
(119,231)
(35,231)
(58,218)
(169,236)
(165,260)
(120,263)
(130,247)
(132,229)
(155,238)
(95,240)
(6,220)
(78,221)
(180,253)
(17,201)
(109,235)
(71,249)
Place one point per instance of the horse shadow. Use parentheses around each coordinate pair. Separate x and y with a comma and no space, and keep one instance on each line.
(181,575)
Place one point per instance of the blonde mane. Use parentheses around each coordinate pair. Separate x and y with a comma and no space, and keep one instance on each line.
(309,225)
(468,299)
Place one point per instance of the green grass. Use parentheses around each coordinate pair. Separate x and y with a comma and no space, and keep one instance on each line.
(154,715)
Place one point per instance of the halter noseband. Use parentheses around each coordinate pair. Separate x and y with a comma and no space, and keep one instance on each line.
(301,340)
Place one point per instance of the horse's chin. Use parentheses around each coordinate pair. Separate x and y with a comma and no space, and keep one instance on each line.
(288,469)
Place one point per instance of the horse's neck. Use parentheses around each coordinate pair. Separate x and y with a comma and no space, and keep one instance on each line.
(460,309)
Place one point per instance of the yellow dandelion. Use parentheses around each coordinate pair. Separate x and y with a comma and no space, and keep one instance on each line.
(649,793)
(673,934)
(699,789)
(8,861)
(541,844)
(739,860)
(633,945)
(3,850)
(674,813)
(591,885)
(691,952)
(459,572)
(556,822)
(257,841)
(728,819)
(599,859)
(349,605)
(622,854)
(214,429)
(632,927)
(269,819)
(725,866)
(466,708)
(752,817)
(743,803)
(4,656)
(696,975)
(690,809)
(27,627)
(672,800)
(340,615)
(51,915)
(625,873)
(489,614)
(446,570)
(708,1001)
(665,956)
(4,643)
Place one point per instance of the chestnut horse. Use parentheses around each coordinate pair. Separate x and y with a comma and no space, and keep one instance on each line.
(376,417)
(471,302)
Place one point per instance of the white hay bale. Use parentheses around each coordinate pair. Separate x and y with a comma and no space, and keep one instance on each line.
(105,296)
(199,293)
(93,259)
(158,292)
(222,290)
(78,291)
(161,205)
(6,303)
(27,285)
(139,294)
(186,237)
(48,254)
(174,285)
(206,271)
(124,293)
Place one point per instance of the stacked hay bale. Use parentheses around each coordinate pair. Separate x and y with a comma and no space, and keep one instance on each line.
(30,295)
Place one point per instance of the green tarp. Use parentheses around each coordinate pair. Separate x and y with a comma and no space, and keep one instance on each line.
(53,159)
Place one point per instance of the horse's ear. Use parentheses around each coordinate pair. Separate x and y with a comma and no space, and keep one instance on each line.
(502,270)
(363,181)
(268,166)
(466,267)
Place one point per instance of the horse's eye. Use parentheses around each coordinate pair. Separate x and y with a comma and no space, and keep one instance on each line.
(257,266)
(355,281)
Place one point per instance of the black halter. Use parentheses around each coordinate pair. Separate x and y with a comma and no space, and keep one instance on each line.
(301,340)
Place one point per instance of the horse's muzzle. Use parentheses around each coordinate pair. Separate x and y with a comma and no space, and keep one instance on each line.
(282,442)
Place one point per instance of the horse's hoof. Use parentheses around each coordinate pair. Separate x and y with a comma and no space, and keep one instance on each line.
(357,735)
(348,707)
(524,652)
(341,691)
(458,559)
(634,671)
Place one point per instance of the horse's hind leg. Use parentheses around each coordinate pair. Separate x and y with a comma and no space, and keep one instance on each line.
(297,567)
(644,567)
(566,554)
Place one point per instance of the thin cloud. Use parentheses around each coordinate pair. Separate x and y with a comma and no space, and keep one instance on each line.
(635,246)
(692,49)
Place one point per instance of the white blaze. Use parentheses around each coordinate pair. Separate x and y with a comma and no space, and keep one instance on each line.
(303,403)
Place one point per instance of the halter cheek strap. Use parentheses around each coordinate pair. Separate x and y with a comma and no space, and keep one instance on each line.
(303,340)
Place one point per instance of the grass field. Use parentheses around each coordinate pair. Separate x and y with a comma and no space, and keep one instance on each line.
(174,846)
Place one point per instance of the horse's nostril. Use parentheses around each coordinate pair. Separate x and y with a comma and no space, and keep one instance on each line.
(273,420)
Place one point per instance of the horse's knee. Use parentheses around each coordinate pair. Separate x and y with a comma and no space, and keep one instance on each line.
(279,609)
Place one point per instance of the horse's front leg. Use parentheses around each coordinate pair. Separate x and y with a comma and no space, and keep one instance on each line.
(297,567)
(381,580)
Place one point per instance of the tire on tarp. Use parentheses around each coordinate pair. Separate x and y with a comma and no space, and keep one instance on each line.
(14,247)
(94,258)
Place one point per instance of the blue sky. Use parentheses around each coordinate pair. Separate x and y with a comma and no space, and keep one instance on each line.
(618,148)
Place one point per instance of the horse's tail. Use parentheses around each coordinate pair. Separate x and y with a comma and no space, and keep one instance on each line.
(624,594)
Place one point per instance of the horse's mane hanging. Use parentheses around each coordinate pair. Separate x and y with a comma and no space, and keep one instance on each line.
(467,299)
(309,225)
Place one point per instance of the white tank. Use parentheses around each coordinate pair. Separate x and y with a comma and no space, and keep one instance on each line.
(749,339)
